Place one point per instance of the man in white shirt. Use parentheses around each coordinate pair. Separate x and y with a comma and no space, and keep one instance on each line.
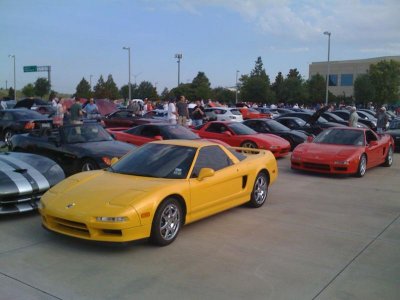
(172,114)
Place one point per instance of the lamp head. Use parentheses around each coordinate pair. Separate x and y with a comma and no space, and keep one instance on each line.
(327,33)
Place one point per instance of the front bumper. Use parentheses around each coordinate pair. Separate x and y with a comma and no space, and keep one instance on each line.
(319,166)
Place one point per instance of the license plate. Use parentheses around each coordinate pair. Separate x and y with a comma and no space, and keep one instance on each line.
(45,125)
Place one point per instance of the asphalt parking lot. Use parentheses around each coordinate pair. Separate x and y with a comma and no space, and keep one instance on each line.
(318,237)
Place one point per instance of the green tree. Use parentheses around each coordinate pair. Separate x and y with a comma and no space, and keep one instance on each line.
(183,89)
(294,73)
(111,89)
(165,94)
(52,95)
(11,93)
(146,90)
(316,87)
(256,87)
(294,90)
(28,90)
(83,89)
(223,95)
(385,77)
(100,89)
(364,90)
(42,87)
(201,86)
(277,86)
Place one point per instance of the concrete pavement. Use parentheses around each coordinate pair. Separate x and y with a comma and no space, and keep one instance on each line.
(317,238)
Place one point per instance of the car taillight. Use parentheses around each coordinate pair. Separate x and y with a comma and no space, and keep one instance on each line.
(29,125)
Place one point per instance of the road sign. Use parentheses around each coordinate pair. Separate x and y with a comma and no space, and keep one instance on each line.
(30,68)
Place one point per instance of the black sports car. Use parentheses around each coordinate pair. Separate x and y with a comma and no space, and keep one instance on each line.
(314,118)
(294,137)
(21,120)
(24,178)
(36,104)
(76,148)
(394,131)
(345,115)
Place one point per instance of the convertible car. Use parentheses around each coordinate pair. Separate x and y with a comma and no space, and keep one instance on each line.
(344,151)
(239,135)
(156,189)
(76,148)
(23,180)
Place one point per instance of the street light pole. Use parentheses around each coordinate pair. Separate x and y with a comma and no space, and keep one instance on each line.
(236,94)
(129,62)
(179,57)
(327,75)
(15,89)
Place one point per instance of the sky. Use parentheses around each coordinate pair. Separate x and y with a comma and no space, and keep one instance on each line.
(79,38)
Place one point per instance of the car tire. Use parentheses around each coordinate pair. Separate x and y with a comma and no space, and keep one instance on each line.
(260,191)
(8,133)
(88,165)
(389,158)
(291,142)
(249,144)
(167,222)
(362,166)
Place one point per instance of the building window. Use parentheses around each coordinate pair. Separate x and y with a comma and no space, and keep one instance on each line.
(346,80)
(333,80)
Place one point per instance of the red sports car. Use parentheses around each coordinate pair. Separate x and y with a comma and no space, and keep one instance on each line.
(239,135)
(146,133)
(343,150)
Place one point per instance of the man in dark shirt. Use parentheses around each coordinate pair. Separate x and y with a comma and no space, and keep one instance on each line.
(197,114)
(76,112)
(183,112)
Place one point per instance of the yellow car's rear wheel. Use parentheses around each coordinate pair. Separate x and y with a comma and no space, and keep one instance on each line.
(167,222)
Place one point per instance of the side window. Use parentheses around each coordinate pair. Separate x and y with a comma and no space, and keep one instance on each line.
(211,157)
(8,116)
(217,128)
(150,131)
(370,136)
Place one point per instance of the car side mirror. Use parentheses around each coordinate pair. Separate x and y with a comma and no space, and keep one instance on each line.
(114,160)
(205,172)
(158,137)
(228,133)
(310,138)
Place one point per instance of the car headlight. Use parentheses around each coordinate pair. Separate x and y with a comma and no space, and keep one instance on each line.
(341,162)
(296,157)
(112,219)
(274,147)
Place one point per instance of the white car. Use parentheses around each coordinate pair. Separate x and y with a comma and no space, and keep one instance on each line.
(225,113)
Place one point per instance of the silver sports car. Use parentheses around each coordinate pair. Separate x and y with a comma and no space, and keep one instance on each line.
(24,178)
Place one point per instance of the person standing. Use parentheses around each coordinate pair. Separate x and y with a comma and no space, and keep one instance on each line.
(382,120)
(183,111)
(91,109)
(197,114)
(59,115)
(172,114)
(353,117)
(76,112)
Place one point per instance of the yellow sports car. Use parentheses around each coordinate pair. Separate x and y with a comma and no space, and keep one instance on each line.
(156,189)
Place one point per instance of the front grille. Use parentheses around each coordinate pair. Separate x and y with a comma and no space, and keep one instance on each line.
(316,166)
(15,199)
(70,226)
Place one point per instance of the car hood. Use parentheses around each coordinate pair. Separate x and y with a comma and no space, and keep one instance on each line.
(97,149)
(94,190)
(313,150)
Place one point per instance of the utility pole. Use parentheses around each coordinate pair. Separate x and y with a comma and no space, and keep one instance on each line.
(236,90)
(15,88)
(327,75)
(178,56)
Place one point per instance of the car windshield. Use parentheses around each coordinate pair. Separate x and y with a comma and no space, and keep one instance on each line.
(180,132)
(341,137)
(28,114)
(157,160)
(241,129)
(85,133)
(276,126)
